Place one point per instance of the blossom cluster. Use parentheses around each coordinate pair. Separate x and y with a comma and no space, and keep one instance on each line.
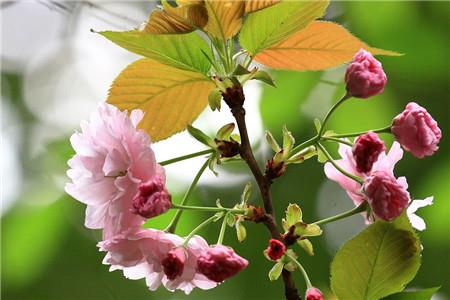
(115,173)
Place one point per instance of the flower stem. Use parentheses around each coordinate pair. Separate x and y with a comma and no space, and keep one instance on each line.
(386,129)
(173,224)
(196,229)
(181,158)
(303,145)
(362,207)
(204,208)
(330,112)
(331,160)
(302,270)
(337,140)
(222,230)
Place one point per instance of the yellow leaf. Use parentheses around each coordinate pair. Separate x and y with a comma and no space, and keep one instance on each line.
(254,5)
(224,17)
(170,98)
(319,46)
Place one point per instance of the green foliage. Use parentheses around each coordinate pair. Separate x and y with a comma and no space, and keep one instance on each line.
(377,262)
(269,26)
(182,51)
(424,294)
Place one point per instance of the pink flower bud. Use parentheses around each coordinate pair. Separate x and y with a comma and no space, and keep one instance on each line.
(313,294)
(152,198)
(219,262)
(173,263)
(366,150)
(416,131)
(387,197)
(276,249)
(365,76)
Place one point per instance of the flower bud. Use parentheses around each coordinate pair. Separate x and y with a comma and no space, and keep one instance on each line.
(313,294)
(152,198)
(219,262)
(173,263)
(385,195)
(365,76)
(417,131)
(275,250)
(227,148)
(275,168)
(366,150)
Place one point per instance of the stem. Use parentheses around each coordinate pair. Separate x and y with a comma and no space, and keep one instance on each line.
(330,112)
(331,160)
(222,230)
(305,144)
(302,270)
(181,158)
(173,224)
(337,140)
(290,291)
(196,229)
(386,129)
(362,207)
(203,208)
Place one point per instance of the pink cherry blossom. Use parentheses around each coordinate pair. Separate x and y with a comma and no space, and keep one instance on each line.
(313,294)
(416,221)
(417,131)
(366,150)
(365,76)
(112,159)
(152,198)
(387,197)
(220,262)
(140,254)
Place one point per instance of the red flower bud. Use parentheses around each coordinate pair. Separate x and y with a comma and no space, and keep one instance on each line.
(366,150)
(173,263)
(152,198)
(313,294)
(276,249)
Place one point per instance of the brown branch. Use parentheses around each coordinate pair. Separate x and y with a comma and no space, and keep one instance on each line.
(234,97)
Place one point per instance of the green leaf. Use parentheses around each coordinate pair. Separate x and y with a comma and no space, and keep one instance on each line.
(377,262)
(317,124)
(293,214)
(241,232)
(276,270)
(231,220)
(272,142)
(225,132)
(424,294)
(246,193)
(302,229)
(214,99)
(321,157)
(306,245)
(182,51)
(288,141)
(274,24)
(200,136)
(264,77)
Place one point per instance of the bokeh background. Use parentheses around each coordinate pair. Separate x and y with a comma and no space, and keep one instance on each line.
(55,71)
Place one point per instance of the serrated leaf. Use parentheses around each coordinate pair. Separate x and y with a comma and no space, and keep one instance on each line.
(224,18)
(293,214)
(270,26)
(321,45)
(214,99)
(303,229)
(306,245)
(377,262)
(182,51)
(276,270)
(200,136)
(424,294)
(255,5)
(155,88)
(264,77)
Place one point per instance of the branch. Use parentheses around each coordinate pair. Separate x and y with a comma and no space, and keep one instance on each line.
(234,97)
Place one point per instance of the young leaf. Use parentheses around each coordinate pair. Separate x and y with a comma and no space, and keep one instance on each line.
(155,89)
(200,136)
(321,45)
(255,5)
(276,270)
(225,132)
(303,229)
(214,99)
(182,51)
(246,193)
(264,77)
(293,214)
(317,124)
(288,141)
(272,142)
(306,245)
(425,294)
(377,262)
(269,26)
(240,70)
(231,220)
(224,18)
(241,232)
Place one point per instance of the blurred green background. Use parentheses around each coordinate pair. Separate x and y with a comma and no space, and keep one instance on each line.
(47,253)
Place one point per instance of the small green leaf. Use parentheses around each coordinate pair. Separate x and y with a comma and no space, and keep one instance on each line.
(377,262)
(200,136)
(276,270)
(306,245)
(303,229)
(317,124)
(264,77)
(240,70)
(231,220)
(246,193)
(272,142)
(214,99)
(288,141)
(293,214)
(303,155)
(271,25)
(241,232)
(225,132)
(321,157)
(424,294)
(182,51)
